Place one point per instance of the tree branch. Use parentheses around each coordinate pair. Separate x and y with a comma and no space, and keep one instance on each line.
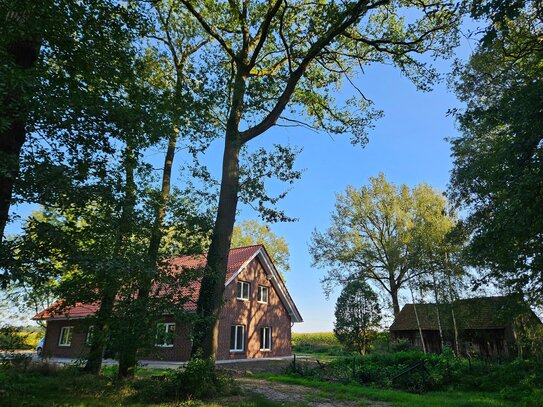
(210,29)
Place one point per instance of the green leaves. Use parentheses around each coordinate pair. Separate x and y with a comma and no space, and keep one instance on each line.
(385,233)
(498,159)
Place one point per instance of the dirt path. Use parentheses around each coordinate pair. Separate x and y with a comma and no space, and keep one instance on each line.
(291,394)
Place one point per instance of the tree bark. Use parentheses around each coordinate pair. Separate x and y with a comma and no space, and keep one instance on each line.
(112,284)
(212,286)
(25,54)
(128,357)
(395,301)
(210,299)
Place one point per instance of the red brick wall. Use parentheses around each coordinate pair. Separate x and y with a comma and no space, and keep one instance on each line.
(182,345)
(52,336)
(250,313)
(254,315)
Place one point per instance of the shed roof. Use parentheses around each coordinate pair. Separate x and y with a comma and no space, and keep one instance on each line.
(472,313)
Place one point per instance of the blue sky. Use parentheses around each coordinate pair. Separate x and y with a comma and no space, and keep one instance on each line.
(408,145)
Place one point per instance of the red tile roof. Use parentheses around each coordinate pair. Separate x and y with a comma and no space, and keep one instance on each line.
(237,258)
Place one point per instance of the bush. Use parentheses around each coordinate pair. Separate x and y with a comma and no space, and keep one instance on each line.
(198,379)
(12,338)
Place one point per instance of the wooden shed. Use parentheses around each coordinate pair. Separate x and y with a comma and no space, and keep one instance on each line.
(485,325)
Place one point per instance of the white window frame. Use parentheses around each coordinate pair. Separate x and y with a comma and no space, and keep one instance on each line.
(261,289)
(265,336)
(167,329)
(90,333)
(69,336)
(239,288)
(235,349)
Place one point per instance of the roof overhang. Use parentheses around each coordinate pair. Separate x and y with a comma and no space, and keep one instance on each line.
(275,278)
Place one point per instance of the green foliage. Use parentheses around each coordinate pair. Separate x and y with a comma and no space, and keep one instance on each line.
(12,338)
(358,394)
(514,381)
(250,232)
(357,314)
(50,384)
(389,234)
(498,157)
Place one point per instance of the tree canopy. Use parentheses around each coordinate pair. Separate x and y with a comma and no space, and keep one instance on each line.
(357,313)
(498,158)
(385,233)
(251,232)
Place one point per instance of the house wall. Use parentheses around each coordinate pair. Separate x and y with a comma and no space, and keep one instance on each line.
(254,315)
(250,313)
(77,348)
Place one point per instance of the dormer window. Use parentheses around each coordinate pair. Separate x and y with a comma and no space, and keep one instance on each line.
(263,294)
(243,290)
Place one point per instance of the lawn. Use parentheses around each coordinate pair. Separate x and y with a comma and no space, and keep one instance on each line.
(46,385)
(394,397)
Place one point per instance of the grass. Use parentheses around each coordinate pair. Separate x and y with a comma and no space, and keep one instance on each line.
(47,385)
(396,398)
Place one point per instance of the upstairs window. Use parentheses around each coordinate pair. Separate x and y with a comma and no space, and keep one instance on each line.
(65,338)
(165,334)
(237,338)
(263,294)
(265,338)
(243,290)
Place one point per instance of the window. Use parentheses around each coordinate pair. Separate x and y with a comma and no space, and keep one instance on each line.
(237,338)
(265,338)
(243,290)
(90,334)
(165,334)
(263,294)
(65,338)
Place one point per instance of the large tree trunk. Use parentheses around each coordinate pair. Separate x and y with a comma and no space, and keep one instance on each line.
(212,286)
(25,54)
(100,334)
(206,329)
(128,357)
(112,285)
(395,301)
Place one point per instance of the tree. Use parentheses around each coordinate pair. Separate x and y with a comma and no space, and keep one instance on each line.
(378,232)
(498,158)
(357,314)
(278,63)
(250,232)
(57,56)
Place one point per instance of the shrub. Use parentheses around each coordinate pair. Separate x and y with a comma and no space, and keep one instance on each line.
(198,379)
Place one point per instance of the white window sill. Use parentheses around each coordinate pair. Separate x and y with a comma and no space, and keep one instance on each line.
(262,302)
(242,299)
(237,350)
(265,350)
(164,346)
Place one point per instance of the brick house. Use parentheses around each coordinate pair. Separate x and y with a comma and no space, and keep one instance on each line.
(255,321)
(486,325)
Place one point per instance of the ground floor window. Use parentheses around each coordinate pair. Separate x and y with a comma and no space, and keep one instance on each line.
(90,334)
(237,338)
(65,338)
(165,334)
(265,338)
